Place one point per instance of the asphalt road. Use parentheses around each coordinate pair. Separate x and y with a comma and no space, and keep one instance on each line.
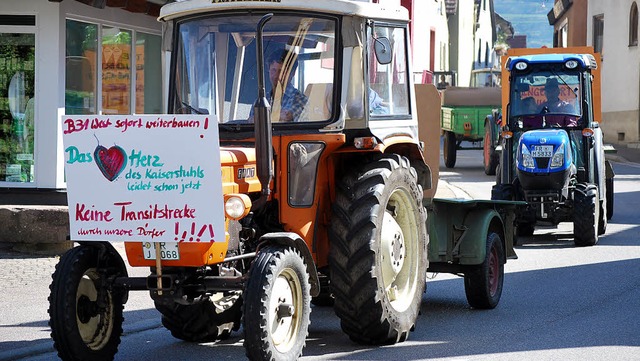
(559,302)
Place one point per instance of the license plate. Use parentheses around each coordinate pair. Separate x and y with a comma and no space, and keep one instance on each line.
(168,250)
(542,151)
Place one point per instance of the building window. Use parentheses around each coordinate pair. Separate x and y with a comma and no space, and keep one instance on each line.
(80,68)
(563,35)
(17,106)
(127,67)
(598,33)
(633,25)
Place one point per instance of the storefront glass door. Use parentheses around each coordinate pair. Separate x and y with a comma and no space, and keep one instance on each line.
(17,104)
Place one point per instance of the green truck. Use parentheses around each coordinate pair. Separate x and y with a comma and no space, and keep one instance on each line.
(467,114)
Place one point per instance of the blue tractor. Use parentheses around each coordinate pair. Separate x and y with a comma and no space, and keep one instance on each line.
(552,153)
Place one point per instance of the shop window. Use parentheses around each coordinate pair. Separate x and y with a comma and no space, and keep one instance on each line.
(148,66)
(17,107)
(80,88)
(633,25)
(121,68)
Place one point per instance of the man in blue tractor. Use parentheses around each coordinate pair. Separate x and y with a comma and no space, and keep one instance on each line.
(557,106)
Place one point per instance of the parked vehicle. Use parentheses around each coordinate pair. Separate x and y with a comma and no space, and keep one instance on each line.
(466,115)
(323,203)
(553,154)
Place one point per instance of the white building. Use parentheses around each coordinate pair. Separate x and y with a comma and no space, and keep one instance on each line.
(472,32)
(612,29)
(68,57)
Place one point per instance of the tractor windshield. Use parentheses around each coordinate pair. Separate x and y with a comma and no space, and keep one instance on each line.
(215,67)
(546,98)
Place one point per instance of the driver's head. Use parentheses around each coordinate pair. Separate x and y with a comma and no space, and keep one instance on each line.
(552,88)
(276,63)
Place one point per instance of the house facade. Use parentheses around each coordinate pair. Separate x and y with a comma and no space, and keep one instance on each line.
(612,29)
(582,22)
(60,57)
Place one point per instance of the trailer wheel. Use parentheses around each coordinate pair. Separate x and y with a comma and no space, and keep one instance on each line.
(450,148)
(585,215)
(277,305)
(211,319)
(86,324)
(609,194)
(490,159)
(378,256)
(483,285)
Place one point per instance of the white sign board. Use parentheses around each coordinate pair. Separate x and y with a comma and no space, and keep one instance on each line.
(143,178)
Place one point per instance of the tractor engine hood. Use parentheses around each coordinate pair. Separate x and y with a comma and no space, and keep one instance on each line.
(239,173)
(544,159)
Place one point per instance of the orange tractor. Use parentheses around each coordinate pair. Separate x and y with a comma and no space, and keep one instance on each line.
(324,189)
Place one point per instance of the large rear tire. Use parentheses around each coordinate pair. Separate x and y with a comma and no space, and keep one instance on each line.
(450,149)
(83,326)
(483,285)
(490,158)
(211,319)
(586,215)
(378,256)
(277,305)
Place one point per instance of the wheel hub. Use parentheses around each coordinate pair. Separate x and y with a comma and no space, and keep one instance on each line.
(393,247)
(284,319)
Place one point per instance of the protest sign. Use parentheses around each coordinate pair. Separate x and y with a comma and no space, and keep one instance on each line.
(149,178)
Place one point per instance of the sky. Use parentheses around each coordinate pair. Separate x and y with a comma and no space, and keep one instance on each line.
(528,17)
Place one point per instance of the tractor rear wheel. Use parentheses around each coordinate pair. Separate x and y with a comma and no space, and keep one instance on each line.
(85,312)
(490,159)
(586,215)
(211,319)
(483,285)
(609,195)
(450,149)
(277,305)
(378,256)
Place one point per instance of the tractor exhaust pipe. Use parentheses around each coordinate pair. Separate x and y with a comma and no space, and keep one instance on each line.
(262,121)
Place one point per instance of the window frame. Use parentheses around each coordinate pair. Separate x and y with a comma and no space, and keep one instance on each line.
(598,32)
(633,24)
(370,52)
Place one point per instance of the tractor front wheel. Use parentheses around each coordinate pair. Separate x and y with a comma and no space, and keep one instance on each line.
(85,311)
(277,305)
(378,256)
(211,319)
(586,211)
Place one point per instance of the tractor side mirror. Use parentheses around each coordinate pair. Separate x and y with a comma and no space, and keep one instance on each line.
(382,48)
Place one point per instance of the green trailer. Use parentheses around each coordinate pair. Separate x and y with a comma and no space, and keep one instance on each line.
(466,115)
(473,239)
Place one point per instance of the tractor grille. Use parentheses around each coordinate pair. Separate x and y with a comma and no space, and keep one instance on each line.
(542,162)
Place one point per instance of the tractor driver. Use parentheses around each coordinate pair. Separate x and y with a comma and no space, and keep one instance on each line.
(554,104)
(292,100)
(281,65)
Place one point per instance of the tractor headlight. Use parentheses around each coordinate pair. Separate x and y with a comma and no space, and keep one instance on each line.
(521,65)
(527,159)
(571,64)
(237,206)
(558,157)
